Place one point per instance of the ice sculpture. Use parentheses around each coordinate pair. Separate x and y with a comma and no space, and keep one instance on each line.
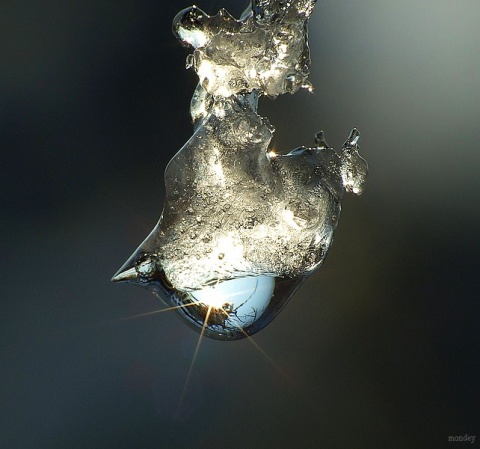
(243,227)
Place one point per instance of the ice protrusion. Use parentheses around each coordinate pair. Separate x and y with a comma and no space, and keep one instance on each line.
(354,167)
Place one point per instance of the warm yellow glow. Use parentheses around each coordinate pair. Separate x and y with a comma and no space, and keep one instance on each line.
(153,312)
(288,216)
(210,74)
(205,70)
(213,298)
(187,380)
(271,74)
(228,251)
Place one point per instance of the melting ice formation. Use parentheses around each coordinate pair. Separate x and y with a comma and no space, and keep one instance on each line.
(243,227)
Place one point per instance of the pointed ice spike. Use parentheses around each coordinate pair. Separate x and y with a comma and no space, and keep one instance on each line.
(352,140)
(354,168)
(125,275)
(320,141)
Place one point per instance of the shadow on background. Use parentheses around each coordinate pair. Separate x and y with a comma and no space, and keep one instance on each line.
(382,343)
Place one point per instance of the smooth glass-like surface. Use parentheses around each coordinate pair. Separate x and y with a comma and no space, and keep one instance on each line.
(243,226)
(224,310)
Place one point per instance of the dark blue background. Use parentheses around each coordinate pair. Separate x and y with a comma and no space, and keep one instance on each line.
(381,345)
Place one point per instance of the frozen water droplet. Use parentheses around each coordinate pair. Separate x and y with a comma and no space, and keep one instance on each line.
(242,225)
(189,26)
(225,310)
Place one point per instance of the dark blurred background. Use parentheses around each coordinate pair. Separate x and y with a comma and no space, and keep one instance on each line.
(381,345)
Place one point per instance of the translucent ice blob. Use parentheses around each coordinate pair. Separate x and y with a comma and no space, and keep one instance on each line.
(242,226)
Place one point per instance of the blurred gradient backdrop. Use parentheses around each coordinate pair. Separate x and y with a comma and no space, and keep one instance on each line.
(379,349)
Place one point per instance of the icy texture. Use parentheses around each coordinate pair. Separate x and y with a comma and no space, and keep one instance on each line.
(242,227)
(267,50)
